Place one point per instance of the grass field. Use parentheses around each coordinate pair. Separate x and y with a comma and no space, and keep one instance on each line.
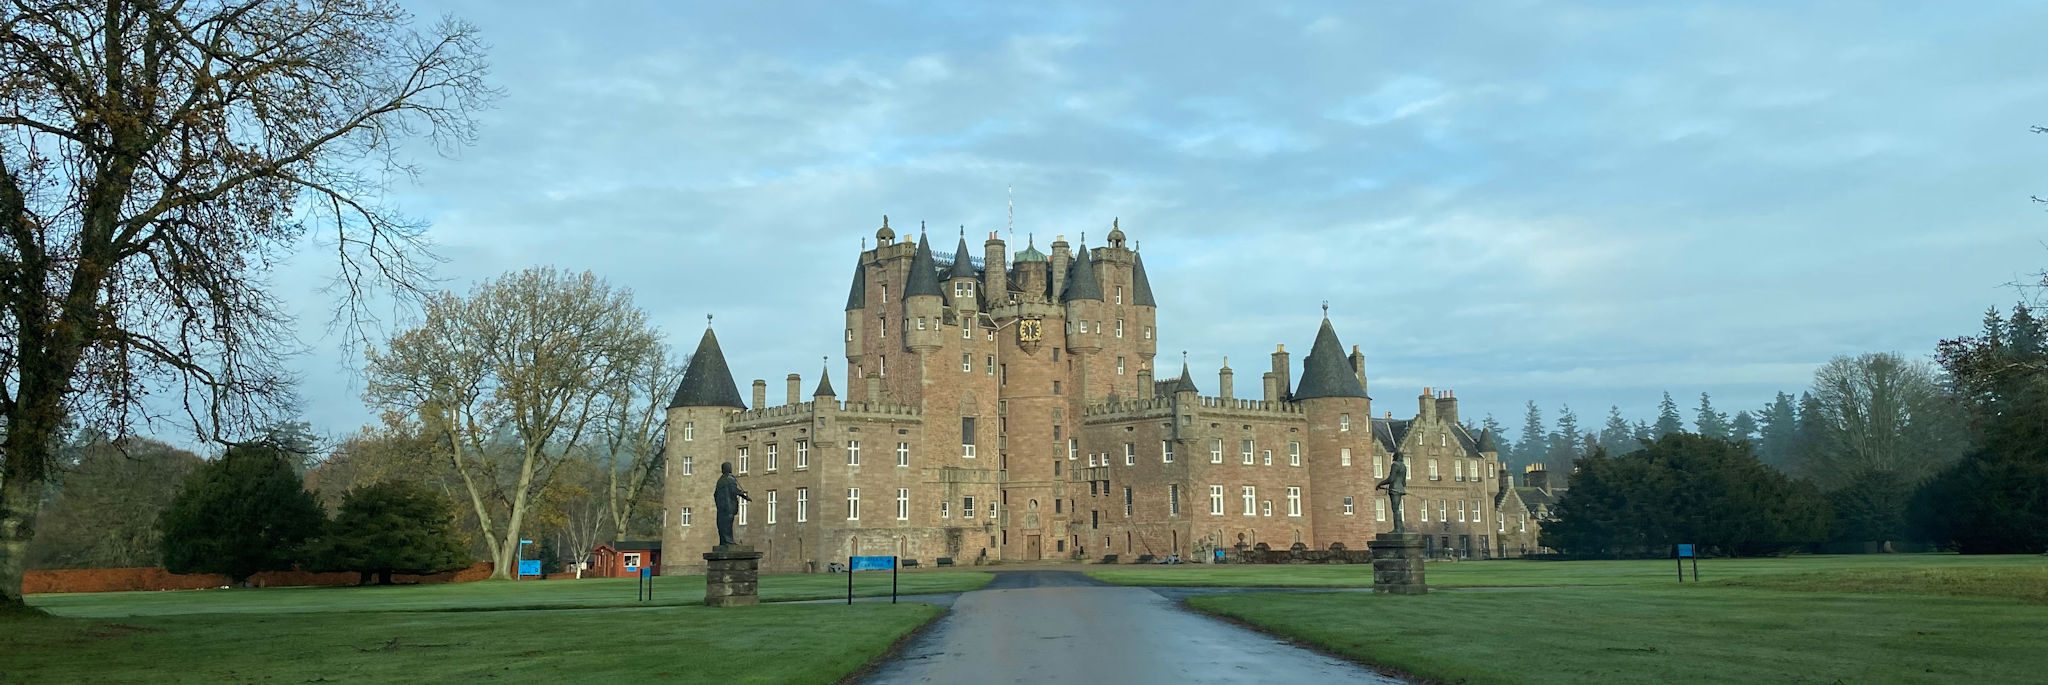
(815,643)
(1878,619)
(1545,573)
(485,596)
(543,631)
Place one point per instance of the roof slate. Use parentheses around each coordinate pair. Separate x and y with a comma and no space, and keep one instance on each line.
(1139,283)
(924,272)
(1327,371)
(963,263)
(1081,281)
(707,382)
(858,297)
(825,383)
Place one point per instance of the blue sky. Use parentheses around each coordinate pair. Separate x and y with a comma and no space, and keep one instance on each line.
(1583,204)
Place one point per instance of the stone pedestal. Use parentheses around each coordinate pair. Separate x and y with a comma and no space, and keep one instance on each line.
(732,576)
(1397,564)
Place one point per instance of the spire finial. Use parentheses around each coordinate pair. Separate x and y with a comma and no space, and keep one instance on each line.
(707,320)
(963,231)
(920,229)
(1013,210)
(1326,309)
(1113,222)
(885,221)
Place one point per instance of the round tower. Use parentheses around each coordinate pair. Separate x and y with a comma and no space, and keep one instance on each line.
(695,447)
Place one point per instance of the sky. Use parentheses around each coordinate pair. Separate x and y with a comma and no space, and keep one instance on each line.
(1582,204)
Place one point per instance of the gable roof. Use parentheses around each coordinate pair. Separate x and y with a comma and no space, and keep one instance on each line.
(1327,371)
(707,382)
(924,273)
(1390,432)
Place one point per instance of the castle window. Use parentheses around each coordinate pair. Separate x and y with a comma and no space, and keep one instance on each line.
(1130,454)
(1432,471)
(683,516)
(1172,499)
(1091,460)
(945,510)
(689,431)
(885,294)
(1119,366)
(1442,511)
(1119,328)
(885,327)
(1425,511)
(1083,324)
(1148,332)
(967,507)
(1247,453)
(1055,468)
(1379,509)
(853,453)
(1215,500)
(771,507)
(1119,294)
(853,504)
(1216,450)
(966,330)
(1266,508)
(1379,466)
(966,363)
(902,504)
(1251,499)
(1344,423)
(902,454)
(1166,451)
(1294,500)
(1443,440)
(1461,511)
(882,367)
(1073,447)
(1492,471)
(743,459)
(689,466)
(991,365)
(1055,354)
(740,517)
(1002,374)
(1055,387)
(1458,470)
(1348,509)
(1267,455)
(849,334)
(803,505)
(967,437)
(1502,524)
(803,454)
(771,456)
(1294,453)
(920,323)
(1344,456)
(1127,502)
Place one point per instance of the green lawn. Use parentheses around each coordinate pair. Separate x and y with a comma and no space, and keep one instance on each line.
(1509,573)
(484,596)
(818,643)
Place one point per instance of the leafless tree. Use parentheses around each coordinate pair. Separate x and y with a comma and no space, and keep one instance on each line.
(537,355)
(157,157)
(1881,412)
(635,427)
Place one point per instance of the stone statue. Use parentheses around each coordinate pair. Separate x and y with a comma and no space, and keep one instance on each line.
(1396,485)
(727,496)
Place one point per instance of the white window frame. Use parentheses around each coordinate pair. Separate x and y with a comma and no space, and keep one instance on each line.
(1251,500)
(630,560)
(1294,501)
(902,504)
(1249,452)
(1074,449)
(853,453)
(967,507)
(1216,450)
(1349,507)
(945,509)
(743,459)
(1127,502)
(1119,322)
(1266,507)
(1294,453)
(1130,454)
(683,517)
(773,459)
(1379,466)
(1343,423)
(1379,508)
(1119,364)
(1266,455)
(853,504)
(903,455)
(803,505)
(1172,499)
(803,454)
(1215,500)
(689,466)
(689,431)
(1344,456)
(740,518)
(771,507)
(1166,451)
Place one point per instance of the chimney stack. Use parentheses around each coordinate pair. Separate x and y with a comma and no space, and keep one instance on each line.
(796,384)
(1272,387)
(760,394)
(995,275)
(1283,374)
(1425,407)
(1447,406)
(1225,381)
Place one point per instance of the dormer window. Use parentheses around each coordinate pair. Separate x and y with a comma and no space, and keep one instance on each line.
(963,289)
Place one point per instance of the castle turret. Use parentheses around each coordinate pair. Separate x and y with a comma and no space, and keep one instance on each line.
(824,390)
(996,283)
(695,446)
(1339,439)
(1145,307)
(1032,275)
(961,283)
(923,300)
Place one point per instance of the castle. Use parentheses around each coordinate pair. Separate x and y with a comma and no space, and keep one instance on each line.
(1005,408)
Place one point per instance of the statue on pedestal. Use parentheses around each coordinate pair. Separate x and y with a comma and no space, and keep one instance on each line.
(727,496)
(1396,485)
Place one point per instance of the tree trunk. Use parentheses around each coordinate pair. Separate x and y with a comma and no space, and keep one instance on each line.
(384,577)
(20,497)
(510,549)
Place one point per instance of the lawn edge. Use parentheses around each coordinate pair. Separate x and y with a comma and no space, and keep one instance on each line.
(895,648)
(1382,669)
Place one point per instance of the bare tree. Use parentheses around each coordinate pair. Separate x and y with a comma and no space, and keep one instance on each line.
(635,426)
(156,159)
(537,354)
(1880,413)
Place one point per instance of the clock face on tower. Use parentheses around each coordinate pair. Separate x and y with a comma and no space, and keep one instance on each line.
(1028,330)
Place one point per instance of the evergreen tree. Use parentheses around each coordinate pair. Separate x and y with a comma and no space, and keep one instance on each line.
(1642,432)
(1535,443)
(1500,438)
(1615,436)
(1872,508)
(1712,424)
(1684,488)
(1811,439)
(1743,428)
(1777,432)
(392,527)
(1564,449)
(240,515)
(1667,418)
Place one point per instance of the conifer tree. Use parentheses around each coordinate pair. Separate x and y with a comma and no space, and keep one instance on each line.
(1667,418)
(1535,443)
(240,515)
(1565,448)
(1742,428)
(1615,436)
(1500,438)
(1777,431)
(1710,423)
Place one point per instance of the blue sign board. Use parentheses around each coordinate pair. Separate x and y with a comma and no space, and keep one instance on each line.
(529,567)
(1219,555)
(1684,551)
(872,563)
(647,571)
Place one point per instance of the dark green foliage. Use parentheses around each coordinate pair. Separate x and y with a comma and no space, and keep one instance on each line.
(1987,503)
(1615,436)
(1564,443)
(1535,444)
(1995,499)
(105,514)
(1667,418)
(1500,438)
(1871,507)
(392,527)
(1777,431)
(550,558)
(1710,423)
(1684,488)
(239,515)
(1743,429)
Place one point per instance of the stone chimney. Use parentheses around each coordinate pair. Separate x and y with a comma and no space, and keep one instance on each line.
(796,384)
(1145,385)
(1536,477)
(1358,367)
(1283,372)
(1226,385)
(1447,406)
(1272,387)
(995,276)
(760,394)
(1425,408)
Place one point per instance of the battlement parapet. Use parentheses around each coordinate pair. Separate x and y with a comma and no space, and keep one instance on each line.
(1236,404)
(788,413)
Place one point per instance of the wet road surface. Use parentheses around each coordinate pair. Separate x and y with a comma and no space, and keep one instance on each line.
(1064,627)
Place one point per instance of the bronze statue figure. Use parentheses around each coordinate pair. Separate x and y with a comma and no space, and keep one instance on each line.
(1396,485)
(727,496)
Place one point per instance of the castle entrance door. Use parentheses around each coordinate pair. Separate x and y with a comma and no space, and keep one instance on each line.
(1031,547)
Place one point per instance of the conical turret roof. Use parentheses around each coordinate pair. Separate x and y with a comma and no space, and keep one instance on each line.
(924,272)
(1186,382)
(1486,442)
(963,263)
(707,382)
(1139,283)
(825,383)
(1327,372)
(1081,282)
(858,297)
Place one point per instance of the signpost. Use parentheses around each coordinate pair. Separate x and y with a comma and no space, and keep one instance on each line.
(1685,552)
(870,564)
(644,587)
(527,567)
